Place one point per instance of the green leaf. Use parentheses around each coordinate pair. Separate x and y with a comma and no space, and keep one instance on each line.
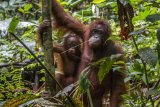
(142,15)
(13,24)
(98,1)
(84,83)
(21,10)
(144,79)
(27,7)
(137,66)
(106,64)
(104,68)
(63,3)
(87,12)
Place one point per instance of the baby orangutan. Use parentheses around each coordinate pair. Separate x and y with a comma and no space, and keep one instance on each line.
(68,58)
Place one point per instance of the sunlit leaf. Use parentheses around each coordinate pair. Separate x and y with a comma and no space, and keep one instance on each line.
(13,24)
(98,1)
(27,7)
(141,15)
(21,10)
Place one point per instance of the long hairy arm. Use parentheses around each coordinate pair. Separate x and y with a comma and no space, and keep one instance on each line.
(66,20)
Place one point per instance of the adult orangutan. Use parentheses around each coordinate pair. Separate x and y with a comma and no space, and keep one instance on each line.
(95,47)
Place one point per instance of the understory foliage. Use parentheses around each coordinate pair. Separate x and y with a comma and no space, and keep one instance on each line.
(142,48)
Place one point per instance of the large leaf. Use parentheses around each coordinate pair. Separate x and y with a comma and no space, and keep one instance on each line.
(142,15)
(13,24)
(148,55)
(104,69)
(27,7)
(106,64)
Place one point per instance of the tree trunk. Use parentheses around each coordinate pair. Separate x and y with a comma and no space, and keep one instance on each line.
(50,85)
